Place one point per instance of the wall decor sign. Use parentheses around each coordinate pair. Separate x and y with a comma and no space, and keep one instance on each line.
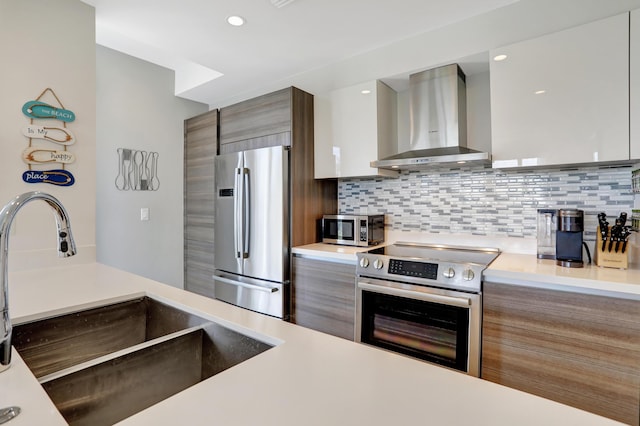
(137,170)
(54,177)
(40,156)
(40,152)
(41,110)
(59,135)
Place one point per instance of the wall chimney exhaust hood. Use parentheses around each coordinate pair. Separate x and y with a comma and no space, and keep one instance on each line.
(438,116)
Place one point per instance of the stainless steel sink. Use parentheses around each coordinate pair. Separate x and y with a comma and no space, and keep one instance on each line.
(99,374)
(51,344)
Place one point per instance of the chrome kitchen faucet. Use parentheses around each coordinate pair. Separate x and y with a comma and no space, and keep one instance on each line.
(66,248)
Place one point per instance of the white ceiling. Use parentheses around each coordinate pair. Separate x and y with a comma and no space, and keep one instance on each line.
(215,62)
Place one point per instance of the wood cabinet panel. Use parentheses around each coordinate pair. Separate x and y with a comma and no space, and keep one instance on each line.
(279,139)
(324,296)
(280,118)
(262,116)
(199,266)
(580,350)
(200,149)
(311,198)
(284,118)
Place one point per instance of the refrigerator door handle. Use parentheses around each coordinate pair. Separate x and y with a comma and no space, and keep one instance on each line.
(246,204)
(245,285)
(237,212)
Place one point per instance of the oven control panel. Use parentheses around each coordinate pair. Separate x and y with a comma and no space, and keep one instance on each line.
(465,277)
(413,269)
(429,265)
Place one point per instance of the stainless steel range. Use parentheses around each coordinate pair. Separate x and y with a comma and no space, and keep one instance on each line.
(424,301)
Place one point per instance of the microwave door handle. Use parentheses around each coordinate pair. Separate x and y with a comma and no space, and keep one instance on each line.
(237,211)
(461,302)
(246,214)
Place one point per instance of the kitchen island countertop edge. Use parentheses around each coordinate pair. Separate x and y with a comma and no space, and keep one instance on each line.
(307,378)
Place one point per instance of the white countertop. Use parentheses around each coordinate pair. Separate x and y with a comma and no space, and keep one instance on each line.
(528,270)
(309,378)
(332,252)
(521,269)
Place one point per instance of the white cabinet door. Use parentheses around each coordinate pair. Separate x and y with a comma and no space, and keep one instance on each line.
(634,81)
(563,98)
(354,126)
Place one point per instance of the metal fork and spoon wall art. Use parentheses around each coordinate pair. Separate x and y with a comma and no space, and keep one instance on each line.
(137,170)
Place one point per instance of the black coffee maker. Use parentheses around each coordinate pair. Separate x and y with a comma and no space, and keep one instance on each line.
(569,241)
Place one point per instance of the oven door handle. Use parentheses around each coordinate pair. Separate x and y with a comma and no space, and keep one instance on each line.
(461,302)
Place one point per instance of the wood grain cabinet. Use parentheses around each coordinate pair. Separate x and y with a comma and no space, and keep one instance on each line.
(562,98)
(200,148)
(324,296)
(580,350)
(263,121)
(283,118)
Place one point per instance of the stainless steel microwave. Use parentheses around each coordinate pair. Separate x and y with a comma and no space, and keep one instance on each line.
(353,230)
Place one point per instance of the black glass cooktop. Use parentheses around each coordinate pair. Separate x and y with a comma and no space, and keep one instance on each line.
(438,253)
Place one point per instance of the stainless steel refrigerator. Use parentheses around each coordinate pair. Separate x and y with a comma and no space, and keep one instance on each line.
(252,230)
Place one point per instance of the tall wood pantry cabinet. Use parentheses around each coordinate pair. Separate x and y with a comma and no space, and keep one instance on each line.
(200,149)
(281,118)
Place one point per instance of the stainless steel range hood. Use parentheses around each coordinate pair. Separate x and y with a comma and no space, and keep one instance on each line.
(438,115)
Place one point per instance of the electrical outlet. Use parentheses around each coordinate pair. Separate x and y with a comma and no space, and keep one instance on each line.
(144,213)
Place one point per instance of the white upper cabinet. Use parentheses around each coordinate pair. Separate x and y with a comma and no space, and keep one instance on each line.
(634,82)
(354,126)
(563,98)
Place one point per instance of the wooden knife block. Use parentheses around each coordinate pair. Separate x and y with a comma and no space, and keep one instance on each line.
(611,259)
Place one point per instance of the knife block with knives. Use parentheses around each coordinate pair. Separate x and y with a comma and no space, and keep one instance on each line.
(612,249)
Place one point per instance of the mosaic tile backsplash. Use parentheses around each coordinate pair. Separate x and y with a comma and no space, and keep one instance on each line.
(489,202)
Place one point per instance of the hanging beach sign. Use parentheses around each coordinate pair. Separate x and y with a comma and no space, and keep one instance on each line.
(42,156)
(59,135)
(54,177)
(56,133)
(41,110)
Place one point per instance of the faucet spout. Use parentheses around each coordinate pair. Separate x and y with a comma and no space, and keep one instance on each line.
(66,248)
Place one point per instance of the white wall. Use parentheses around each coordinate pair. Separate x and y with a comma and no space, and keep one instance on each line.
(48,44)
(137,109)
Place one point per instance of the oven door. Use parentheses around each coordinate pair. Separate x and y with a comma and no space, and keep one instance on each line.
(435,325)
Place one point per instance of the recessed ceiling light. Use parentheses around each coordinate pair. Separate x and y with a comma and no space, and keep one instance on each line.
(235,20)
(540,92)
(365,92)
(499,58)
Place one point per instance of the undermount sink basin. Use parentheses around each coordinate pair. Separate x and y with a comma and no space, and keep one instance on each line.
(102,365)
(52,344)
